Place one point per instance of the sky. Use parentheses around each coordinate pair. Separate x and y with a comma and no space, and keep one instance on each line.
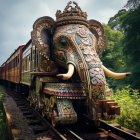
(18,16)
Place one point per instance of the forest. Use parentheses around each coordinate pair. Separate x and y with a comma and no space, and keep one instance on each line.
(122,54)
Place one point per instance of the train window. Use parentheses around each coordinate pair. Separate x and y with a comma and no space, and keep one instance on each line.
(34,58)
(31,58)
(28,62)
(13,62)
(18,60)
(25,63)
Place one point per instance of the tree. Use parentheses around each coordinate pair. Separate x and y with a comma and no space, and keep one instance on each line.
(131,27)
(116,21)
(113,57)
(128,22)
(132,4)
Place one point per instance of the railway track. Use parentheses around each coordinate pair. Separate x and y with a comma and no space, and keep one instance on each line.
(113,132)
(35,121)
(82,130)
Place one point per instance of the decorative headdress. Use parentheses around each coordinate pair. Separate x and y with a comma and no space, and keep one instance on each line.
(71,15)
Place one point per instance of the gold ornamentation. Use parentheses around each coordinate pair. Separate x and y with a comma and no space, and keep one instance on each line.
(71,15)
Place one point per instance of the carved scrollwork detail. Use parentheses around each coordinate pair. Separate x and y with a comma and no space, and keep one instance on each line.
(42,34)
(97,29)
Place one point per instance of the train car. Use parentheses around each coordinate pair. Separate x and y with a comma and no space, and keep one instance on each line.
(1,69)
(2,73)
(34,63)
(11,69)
(26,60)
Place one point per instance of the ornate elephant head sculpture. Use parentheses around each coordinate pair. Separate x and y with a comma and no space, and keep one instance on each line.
(75,43)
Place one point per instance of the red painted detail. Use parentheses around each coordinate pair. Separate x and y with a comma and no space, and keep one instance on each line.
(82,31)
(67,93)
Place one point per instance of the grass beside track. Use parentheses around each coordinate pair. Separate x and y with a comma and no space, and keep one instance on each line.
(3,126)
(129,102)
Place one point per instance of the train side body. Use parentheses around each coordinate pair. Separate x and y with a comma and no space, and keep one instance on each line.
(12,67)
(2,72)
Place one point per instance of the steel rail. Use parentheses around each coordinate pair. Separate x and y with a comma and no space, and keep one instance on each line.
(118,131)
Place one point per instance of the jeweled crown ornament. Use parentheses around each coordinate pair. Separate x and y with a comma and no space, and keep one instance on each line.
(72,14)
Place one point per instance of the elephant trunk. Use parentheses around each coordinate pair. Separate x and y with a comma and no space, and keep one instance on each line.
(88,65)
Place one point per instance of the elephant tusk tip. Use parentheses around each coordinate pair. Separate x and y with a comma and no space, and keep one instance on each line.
(128,73)
(59,76)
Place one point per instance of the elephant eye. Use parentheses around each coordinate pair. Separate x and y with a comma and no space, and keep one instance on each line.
(64,42)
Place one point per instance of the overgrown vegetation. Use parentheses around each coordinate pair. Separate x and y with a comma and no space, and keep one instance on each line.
(113,57)
(3,126)
(129,102)
(131,26)
(123,49)
(122,55)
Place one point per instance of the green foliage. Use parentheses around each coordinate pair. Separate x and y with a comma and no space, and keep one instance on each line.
(129,102)
(128,21)
(131,27)
(123,50)
(113,57)
(116,21)
(3,126)
(133,4)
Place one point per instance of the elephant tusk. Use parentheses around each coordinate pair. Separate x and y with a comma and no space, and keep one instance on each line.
(114,74)
(68,75)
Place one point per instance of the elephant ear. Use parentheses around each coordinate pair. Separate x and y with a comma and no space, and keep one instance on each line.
(42,34)
(97,29)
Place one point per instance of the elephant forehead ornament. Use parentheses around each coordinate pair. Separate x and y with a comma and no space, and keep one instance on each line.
(75,43)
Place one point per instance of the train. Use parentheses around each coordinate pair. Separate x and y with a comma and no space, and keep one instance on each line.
(59,69)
